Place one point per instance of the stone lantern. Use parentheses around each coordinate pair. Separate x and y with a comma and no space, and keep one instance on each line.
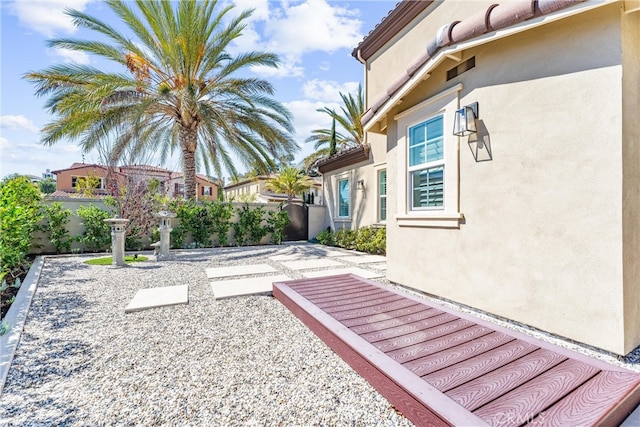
(118,226)
(162,249)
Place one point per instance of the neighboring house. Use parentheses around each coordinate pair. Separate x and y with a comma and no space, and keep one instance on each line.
(66,179)
(535,216)
(355,187)
(170,183)
(255,190)
(206,189)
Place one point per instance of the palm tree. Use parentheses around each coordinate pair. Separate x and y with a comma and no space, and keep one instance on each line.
(178,90)
(290,181)
(349,118)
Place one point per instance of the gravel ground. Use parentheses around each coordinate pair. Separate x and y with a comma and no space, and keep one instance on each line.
(240,361)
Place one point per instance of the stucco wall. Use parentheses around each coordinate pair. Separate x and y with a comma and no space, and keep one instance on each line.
(363,202)
(389,62)
(542,237)
(631,175)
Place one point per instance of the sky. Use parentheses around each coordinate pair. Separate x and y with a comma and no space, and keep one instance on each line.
(313,38)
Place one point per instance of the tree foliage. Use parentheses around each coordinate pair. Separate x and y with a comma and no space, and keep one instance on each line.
(20,212)
(47,186)
(180,89)
(290,181)
(349,118)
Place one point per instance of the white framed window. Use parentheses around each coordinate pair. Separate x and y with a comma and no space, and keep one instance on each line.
(426,164)
(382,195)
(344,198)
(100,182)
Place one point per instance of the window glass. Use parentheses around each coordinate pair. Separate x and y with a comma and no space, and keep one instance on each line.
(343,198)
(382,193)
(426,164)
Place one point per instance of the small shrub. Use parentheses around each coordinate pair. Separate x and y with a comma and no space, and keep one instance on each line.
(326,237)
(57,218)
(221,213)
(97,234)
(368,239)
(249,227)
(20,212)
(276,222)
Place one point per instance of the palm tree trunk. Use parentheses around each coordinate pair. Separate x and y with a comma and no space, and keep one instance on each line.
(188,142)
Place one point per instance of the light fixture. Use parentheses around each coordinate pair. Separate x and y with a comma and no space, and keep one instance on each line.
(360,184)
(465,120)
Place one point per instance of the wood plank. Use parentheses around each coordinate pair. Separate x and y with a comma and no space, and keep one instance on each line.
(577,390)
(350,302)
(332,288)
(368,311)
(315,282)
(350,306)
(424,349)
(419,402)
(530,399)
(371,318)
(599,401)
(454,355)
(408,328)
(351,293)
(425,336)
(393,322)
(489,386)
(448,378)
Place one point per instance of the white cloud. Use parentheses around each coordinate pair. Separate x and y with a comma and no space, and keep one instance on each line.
(30,157)
(46,16)
(292,30)
(288,68)
(71,56)
(328,91)
(17,122)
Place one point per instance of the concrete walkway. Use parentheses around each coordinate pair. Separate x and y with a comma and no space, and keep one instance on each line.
(289,262)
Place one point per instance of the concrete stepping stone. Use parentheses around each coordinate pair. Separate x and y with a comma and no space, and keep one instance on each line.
(366,274)
(243,287)
(364,259)
(239,270)
(311,263)
(158,297)
(288,257)
(332,253)
(381,266)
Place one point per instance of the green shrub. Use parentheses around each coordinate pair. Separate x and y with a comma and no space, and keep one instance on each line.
(221,212)
(276,222)
(346,238)
(20,212)
(249,229)
(326,237)
(57,218)
(97,234)
(368,239)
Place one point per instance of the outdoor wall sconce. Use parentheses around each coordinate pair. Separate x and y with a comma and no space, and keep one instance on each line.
(464,122)
(360,185)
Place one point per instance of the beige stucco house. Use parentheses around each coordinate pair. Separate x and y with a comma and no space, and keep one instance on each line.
(255,190)
(533,213)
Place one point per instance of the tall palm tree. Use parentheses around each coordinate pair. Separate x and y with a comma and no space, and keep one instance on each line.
(290,181)
(179,89)
(350,120)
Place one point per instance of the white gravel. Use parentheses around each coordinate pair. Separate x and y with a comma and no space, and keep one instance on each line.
(242,361)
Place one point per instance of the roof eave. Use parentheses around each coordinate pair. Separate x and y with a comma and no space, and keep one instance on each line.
(423,73)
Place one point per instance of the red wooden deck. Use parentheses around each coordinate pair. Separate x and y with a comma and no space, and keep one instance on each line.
(440,367)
